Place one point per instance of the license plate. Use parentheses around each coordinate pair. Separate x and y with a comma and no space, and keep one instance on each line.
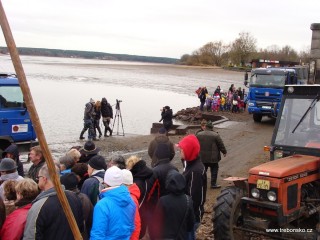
(263,184)
(266,107)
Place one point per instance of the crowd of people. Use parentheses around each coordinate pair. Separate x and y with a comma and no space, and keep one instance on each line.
(233,100)
(114,198)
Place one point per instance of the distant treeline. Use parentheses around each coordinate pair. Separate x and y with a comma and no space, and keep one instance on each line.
(89,55)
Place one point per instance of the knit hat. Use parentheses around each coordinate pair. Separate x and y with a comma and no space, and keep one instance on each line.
(89,148)
(113,176)
(162,130)
(209,125)
(127,177)
(162,151)
(7,164)
(190,146)
(69,180)
(98,162)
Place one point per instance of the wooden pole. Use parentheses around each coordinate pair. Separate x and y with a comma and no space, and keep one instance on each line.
(36,121)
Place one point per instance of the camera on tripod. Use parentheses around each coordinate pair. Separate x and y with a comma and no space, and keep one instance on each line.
(118,104)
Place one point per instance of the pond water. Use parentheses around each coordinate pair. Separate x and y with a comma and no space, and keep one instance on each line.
(62,86)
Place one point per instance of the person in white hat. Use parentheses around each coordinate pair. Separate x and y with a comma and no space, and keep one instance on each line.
(116,206)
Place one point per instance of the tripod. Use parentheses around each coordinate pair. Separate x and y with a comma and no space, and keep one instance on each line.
(118,117)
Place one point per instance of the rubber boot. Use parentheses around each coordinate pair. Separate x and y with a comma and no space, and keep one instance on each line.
(105,132)
(110,131)
(81,135)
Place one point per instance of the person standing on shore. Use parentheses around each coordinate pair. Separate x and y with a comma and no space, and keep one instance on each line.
(202,97)
(211,145)
(96,118)
(166,117)
(196,178)
(88,121)
(159,139)
(107,115)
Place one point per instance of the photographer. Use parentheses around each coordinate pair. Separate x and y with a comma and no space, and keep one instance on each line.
(107,115)
(166,116)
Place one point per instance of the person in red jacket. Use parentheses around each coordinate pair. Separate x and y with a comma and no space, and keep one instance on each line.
(13,227)
(134,190)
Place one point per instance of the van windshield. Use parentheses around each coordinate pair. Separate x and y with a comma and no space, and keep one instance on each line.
(11,97)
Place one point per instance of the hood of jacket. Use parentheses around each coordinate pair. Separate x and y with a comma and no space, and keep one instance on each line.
(134,191)
(119,195)
(104,101)
(190,146)
(175,183)
(13,149)
(141,171)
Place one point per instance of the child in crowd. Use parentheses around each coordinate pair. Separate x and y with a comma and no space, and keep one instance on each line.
(222,102)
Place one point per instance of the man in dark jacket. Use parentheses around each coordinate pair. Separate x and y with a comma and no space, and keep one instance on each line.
(36,157)
(196,177)
(174,216)
(13,153)
(211,145)
(70,182)
(166,117)
(92,186)
(107,115)
(46,218)
(88,119)
(161,138)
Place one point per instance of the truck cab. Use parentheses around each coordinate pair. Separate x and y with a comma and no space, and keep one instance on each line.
(15,123)
(265,90)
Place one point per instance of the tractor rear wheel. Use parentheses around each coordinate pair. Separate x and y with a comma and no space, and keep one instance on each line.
(227,214)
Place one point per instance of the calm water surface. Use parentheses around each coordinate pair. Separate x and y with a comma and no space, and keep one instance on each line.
(60,88)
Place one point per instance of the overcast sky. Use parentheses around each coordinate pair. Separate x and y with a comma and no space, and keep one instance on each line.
(163,28)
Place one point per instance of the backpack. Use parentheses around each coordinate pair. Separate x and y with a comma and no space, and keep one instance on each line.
(101,186)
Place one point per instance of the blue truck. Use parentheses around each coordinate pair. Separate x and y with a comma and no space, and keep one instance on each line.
(266,87)
(15,124)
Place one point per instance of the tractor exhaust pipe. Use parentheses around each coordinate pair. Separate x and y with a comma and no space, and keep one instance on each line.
(314,76)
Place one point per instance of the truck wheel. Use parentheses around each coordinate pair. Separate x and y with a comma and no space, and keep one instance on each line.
(257,117)
(227,214)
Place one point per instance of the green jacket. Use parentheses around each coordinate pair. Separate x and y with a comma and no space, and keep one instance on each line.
(211,145)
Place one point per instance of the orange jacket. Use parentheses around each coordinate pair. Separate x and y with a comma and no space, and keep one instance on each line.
(135,195)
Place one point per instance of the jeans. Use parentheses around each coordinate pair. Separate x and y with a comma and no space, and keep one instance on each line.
(88,124)
(192,235)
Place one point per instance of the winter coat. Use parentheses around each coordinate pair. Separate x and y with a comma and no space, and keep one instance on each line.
(196,186)
(90,187)
(174,215)
(87,211)
(211,145)
(113,215)
(158,179)
(135,195)
(154,144)
(141,176)
(166,116)
(6,177)
(15,222)
(88,111)
(13,149)
(34,170)
(106,109)
(47,220)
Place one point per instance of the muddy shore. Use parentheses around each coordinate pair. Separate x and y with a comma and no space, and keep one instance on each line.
(244,140)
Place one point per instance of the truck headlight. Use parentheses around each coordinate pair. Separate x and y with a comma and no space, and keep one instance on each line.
(250,104)
(272,196)
(255,192)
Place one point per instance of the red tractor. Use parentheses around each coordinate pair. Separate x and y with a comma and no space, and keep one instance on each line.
(280,199)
